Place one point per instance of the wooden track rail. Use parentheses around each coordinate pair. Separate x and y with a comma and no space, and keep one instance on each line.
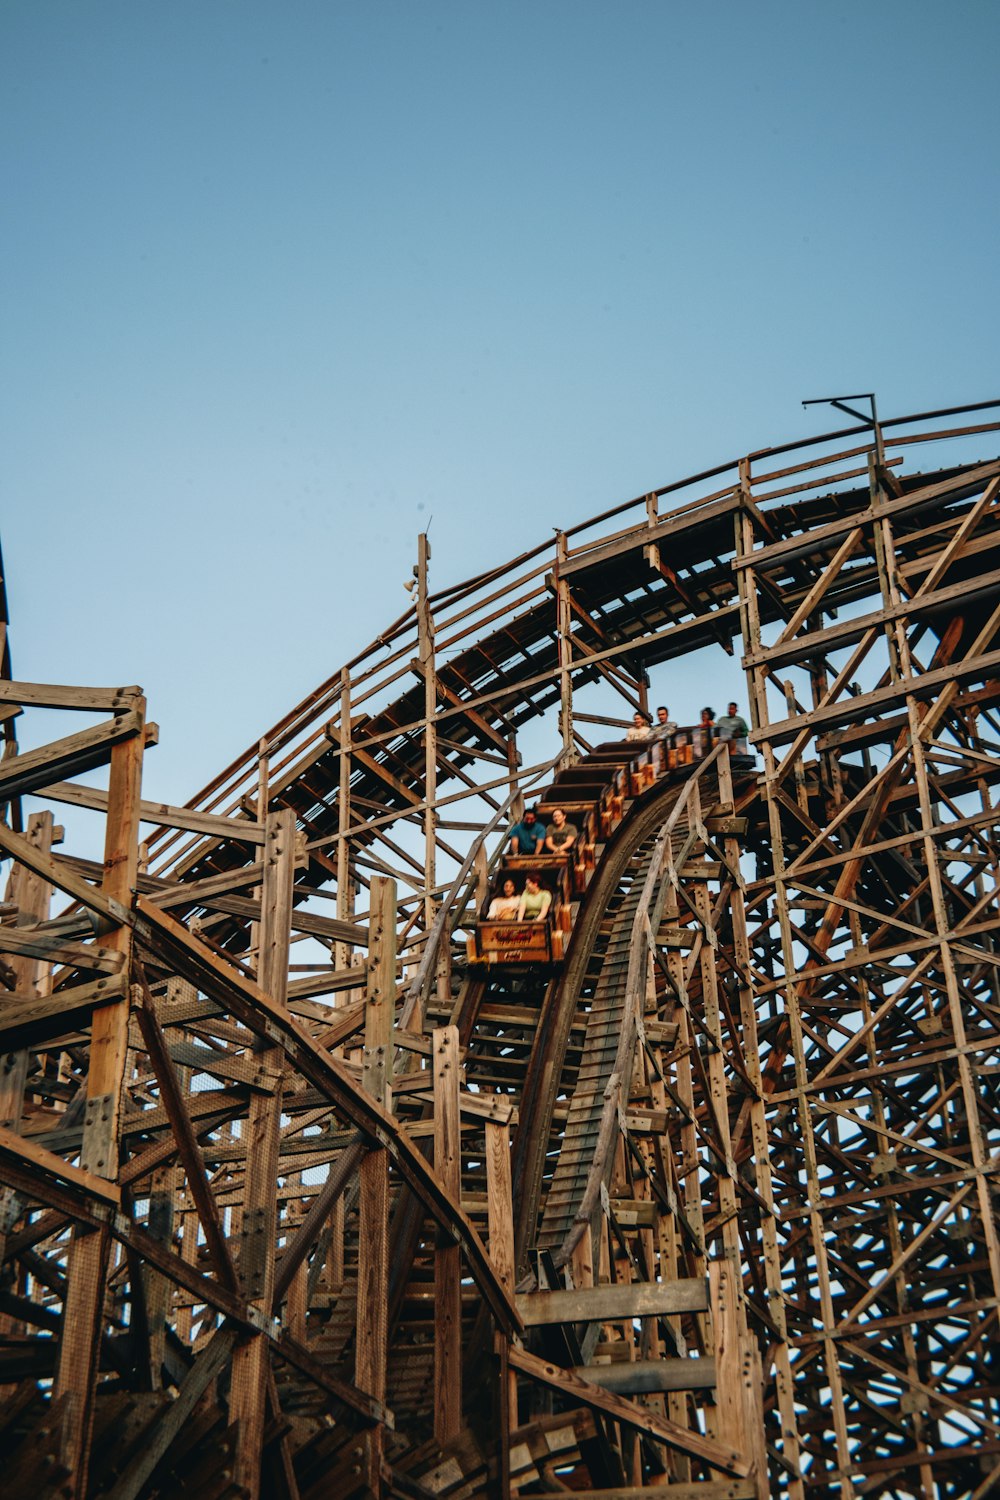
(296,1201)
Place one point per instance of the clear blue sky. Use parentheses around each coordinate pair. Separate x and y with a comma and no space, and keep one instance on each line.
(281,282)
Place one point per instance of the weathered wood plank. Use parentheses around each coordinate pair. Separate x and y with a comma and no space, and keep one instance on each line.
(24,1152)
(112,909)
(56,695)
(500,1205)
(162,814)
(202,892)
(46,944)
(25,1021)
(66,757)
(605,1304)
(642,1376)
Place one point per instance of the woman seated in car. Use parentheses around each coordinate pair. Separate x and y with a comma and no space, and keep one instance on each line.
(505,908)
(535,903)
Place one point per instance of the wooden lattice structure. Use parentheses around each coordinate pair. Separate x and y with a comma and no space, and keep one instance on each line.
(295,1201)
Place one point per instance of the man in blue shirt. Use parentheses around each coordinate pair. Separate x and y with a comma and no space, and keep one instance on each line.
(528,836)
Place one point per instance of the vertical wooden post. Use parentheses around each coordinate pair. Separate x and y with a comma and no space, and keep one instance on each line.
(513,762)
(943,930)
(447,1256)
(715,1065)
(726,1337)
(345,894)
(157,1289)
(885,561)
(297,1304)
(651,551)
(563,617)
(428,670)
(425,656)
(761,1155)
(734,1368)
(500,1203)
(260,1213)
(373,1240)
(507,1414)
(83,1308)
(757,683)
(31,895)
(185,1219)
(380,993)
(500,1227)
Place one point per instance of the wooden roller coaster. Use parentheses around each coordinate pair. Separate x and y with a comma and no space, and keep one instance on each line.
(319,1180)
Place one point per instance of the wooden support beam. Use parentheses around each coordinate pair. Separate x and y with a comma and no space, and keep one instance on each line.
(172,1097)
(312,1225)
(345,887)
(27,1022)
(55,695)
(203,892)
(447,1255)
(67,757)
(109,909)
(701,1489)
(30,892)
(259,1213)
(371,1349)
(643,1376)
(25,1155)
(604,1304)
(733,1401)
(77,1371)
(162,814)
(44,943)
(500,1207)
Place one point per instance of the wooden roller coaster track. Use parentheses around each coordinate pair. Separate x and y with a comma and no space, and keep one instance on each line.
(300,1198)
